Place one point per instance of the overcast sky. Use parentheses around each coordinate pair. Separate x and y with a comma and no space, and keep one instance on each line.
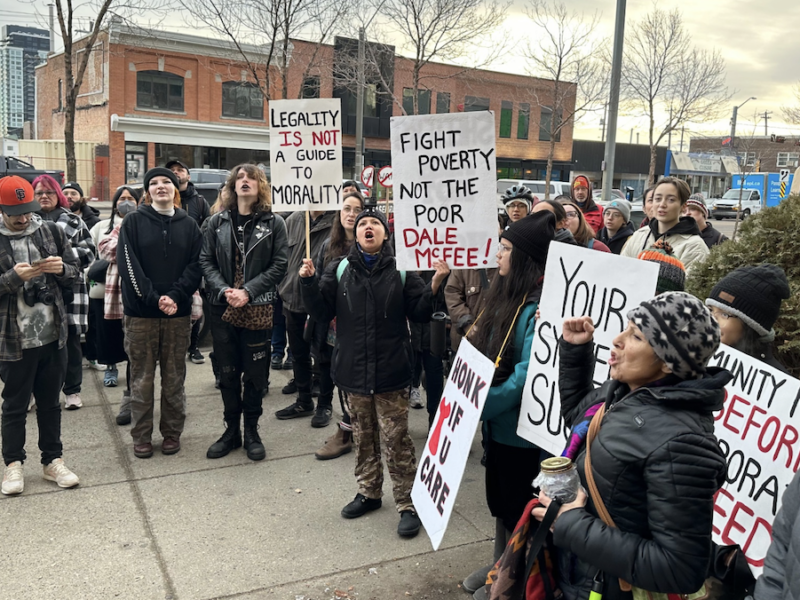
(756,38)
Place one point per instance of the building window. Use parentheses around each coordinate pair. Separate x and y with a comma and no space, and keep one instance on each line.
(242,100)
(547,125)
(158,90)
(423,101)
(788,159)
(523,121)
(747,159)
(506,115)
(311,87)
(442,103)
(475,104)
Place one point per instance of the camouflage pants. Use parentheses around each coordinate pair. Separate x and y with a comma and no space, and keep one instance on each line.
(383,417)
(165,341)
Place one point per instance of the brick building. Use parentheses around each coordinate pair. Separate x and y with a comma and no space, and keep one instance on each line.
(150,97)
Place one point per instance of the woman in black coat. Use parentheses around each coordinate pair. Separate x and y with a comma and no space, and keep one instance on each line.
(655,460)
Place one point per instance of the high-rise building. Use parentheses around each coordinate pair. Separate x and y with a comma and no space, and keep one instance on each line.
(21,49)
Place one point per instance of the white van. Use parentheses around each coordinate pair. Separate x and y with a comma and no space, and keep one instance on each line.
(557,188)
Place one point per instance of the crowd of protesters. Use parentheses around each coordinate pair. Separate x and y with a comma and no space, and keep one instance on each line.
(126,294)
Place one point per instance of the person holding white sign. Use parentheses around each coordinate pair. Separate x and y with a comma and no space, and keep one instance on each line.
(645,450)
(371,301)
(503,331)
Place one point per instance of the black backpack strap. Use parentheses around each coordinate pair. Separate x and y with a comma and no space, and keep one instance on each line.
(57,234)
(484,278)
(537,547)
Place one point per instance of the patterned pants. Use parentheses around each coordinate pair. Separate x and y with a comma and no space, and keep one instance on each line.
(383,417)
(165,341)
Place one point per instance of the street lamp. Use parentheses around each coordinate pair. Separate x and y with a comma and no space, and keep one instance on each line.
(733,123)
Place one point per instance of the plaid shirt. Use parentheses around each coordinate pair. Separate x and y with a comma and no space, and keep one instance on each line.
(83,247)
(112,301)
(10,283)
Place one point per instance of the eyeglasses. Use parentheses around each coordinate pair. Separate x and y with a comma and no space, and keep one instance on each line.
(571,214)
(720,316)
(502,249)
(44,193)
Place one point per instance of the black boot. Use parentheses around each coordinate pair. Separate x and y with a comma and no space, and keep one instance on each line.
(252,441)
(230,440)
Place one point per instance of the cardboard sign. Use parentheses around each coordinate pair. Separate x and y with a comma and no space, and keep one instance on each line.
(305,154)
(577,282)
(444,193)
(758,433)
(441,465)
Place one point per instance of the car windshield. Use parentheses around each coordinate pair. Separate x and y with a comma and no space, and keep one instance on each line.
(734,194)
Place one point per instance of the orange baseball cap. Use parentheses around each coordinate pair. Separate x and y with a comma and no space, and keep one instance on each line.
(16,196)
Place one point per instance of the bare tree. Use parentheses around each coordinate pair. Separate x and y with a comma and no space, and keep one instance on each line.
(443,30)
(664,74)
(792,113)
(565,52)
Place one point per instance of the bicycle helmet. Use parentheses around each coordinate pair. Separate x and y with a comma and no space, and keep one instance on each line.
(518,193)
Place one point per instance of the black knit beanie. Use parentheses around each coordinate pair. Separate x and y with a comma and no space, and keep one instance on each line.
(371,210)
(160,172)
(533,234)
(754,295)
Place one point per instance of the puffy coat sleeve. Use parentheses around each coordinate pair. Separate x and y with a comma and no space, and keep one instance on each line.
(772,585)
(634,244)
(318,293)
(575,380)
(681,478)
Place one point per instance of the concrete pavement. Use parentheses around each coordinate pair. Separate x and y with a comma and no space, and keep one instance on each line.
(186,527)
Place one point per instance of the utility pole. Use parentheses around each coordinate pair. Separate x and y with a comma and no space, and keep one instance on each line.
(360,106)
(630,139)
(669,135)
(51,8)
(766,120)
(603,123)
(613,101)
(733,123)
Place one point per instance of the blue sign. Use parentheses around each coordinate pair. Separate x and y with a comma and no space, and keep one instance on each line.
(755,181)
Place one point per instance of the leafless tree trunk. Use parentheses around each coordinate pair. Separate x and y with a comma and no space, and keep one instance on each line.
(565,51)
(663,73)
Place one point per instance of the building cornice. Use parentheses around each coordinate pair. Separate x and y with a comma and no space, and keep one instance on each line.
(190,133)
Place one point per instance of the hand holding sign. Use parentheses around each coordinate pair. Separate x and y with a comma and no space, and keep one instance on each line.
(307,270)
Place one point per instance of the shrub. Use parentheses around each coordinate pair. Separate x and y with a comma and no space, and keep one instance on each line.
(770,236)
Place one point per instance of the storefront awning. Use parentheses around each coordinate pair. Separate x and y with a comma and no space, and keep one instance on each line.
(191,133)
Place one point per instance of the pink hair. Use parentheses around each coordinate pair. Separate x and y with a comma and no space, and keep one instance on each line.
(50,184)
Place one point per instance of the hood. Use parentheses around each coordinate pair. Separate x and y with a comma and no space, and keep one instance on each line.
(625,230)
(36,222)
(189,192)
(686,226)
(89,211)
(565,236)
(151,213)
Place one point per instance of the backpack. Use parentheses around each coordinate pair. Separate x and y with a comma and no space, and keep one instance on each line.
(343,265)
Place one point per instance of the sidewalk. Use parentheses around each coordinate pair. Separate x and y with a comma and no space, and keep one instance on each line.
(185,527)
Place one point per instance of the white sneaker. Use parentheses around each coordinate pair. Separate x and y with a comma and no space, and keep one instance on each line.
(13,483)
(57,471)
(73,402)
(93,364)
(415,398)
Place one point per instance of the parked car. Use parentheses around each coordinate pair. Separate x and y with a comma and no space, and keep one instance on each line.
(729,206)
(557,188)
(208,182)
(615,193)
(11,165)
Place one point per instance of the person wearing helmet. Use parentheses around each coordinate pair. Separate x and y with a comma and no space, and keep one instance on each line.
(518,201)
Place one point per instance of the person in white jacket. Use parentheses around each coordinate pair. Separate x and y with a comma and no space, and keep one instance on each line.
(682,233)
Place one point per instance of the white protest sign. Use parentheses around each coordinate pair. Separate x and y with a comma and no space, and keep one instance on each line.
(442,463)
(305,154)
(444,178)
(577,282)
(758,433)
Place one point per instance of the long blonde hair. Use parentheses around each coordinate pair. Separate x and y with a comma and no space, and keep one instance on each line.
(227,198)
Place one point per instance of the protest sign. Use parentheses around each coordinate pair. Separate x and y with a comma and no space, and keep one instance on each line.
(445,199)
(305,154)
(577,282)
(441,465)
(758,432)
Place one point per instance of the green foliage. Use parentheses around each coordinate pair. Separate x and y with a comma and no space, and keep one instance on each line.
(771,236)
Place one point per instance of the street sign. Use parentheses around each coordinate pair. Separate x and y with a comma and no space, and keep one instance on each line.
(385,176)
(367,175)
(784,175)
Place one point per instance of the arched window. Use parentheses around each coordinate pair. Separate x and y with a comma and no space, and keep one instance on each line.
(242,100)
(159,90)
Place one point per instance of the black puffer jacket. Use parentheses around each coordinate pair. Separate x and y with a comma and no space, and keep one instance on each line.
(373,348)
(657,466)
(194,205)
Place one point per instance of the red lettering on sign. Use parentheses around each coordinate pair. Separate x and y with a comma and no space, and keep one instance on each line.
(731,411)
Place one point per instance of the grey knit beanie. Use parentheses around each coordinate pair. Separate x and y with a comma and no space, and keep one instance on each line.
(681,331)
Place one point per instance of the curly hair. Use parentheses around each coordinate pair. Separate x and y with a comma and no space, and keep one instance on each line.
(50,184)
(585,231)
(227,199)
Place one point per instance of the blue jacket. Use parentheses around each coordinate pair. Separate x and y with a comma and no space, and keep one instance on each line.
(501,411)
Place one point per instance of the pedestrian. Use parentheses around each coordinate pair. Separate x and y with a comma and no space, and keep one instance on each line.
(617,226)
(581,193)
(503,331)
(682,234)
(78,204)
(320,223)
(338,245)
(371,301)
(37,265)
(243,259)
(158,256)
(518,201)
(647,207)
(197,208)
(746,303)
(55,208)
(580,230)
(780,579)
(644,447)
(697,209)
(110,336)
